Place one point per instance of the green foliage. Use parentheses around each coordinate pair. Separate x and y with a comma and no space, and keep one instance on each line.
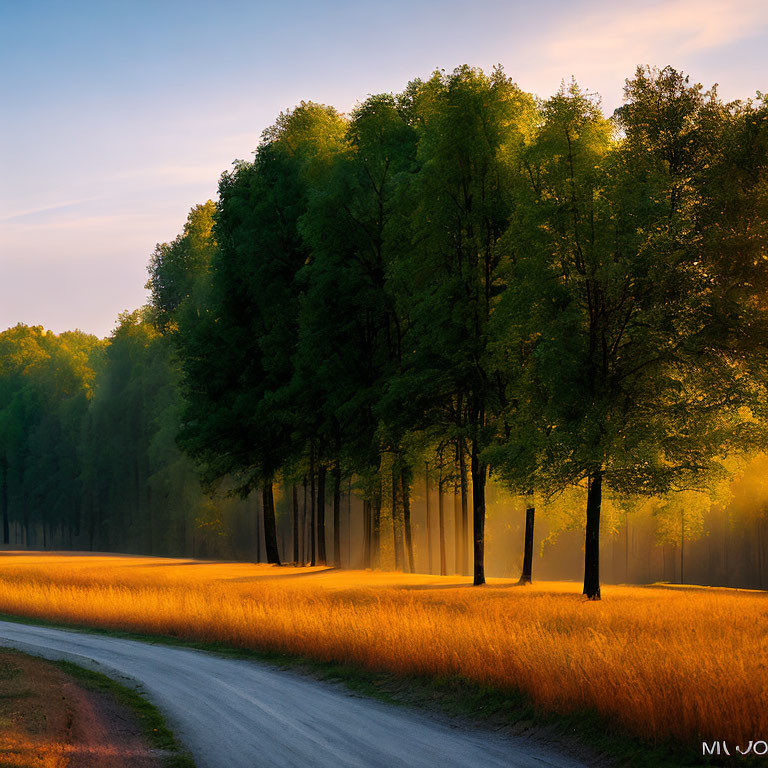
(45,387)
(176,268)
(628,360)
(458,274)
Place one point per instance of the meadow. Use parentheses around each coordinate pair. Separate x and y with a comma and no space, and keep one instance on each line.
(681,664)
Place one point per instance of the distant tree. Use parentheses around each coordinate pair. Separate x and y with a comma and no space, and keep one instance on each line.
(46,382)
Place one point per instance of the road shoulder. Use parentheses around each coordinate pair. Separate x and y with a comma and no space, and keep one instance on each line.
(58,715)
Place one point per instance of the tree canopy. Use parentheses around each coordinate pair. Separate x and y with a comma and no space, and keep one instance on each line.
(460,280)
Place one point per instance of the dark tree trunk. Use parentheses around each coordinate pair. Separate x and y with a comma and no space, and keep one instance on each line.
(321,556)
(367,533)
(295,525)
(592,538)
(441,523)
(4,500)
(349,524)
(479,472)
(259,517)
(270,529)
(376,532)
(429,517)
(304,524)
(527,574)
(464,510)
(626,547)
(674,561)
(312,517)
(337,514)
(397,522)
(682,547)
(457,526)
(407,516)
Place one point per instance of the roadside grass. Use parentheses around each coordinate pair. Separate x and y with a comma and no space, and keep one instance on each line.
(642,678)
(150,719)
(54,713)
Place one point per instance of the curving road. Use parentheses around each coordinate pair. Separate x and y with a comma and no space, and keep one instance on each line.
(241,714)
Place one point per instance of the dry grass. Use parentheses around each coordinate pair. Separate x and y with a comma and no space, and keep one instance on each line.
(680,664)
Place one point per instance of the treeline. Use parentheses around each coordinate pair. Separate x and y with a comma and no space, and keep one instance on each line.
(88,454)
(455,283)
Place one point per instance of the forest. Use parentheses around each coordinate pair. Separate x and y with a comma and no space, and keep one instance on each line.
(460,328)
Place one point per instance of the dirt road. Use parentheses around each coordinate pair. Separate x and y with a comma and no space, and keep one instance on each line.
(241,714)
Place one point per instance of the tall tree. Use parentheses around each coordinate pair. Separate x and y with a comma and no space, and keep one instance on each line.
(238,372)
(636,388)
(348,335)
(470,129)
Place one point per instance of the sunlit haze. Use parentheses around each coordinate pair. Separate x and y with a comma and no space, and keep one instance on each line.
(118,117)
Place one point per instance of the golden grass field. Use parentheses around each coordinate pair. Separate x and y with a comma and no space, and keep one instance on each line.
(681,664)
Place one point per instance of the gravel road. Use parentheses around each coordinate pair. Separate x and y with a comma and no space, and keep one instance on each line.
(231,713)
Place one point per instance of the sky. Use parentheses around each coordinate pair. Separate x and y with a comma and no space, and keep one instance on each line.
(118,117)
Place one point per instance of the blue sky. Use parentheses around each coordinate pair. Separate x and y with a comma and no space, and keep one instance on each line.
(117,117)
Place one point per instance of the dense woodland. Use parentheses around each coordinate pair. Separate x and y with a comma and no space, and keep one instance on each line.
(457,304)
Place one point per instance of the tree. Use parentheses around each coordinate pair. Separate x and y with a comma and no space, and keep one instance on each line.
(680,518)
(241,414)
(636,387)
(471,127)
(348,335)
(176,268)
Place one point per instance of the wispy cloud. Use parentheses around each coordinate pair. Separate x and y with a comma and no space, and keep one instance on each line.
(606,37)
(52,208)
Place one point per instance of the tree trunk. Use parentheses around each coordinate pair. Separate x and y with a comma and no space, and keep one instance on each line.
(4,500)
(321,555)
(429,520)
(312,512)
(626,547)
(376,530)
(682,547)
(464,510)
(527,573)
(337,514)
(270,529)
(367,533)
(349,524)
(295,525)
(259,516)
(592,538)
(457,527)
(479,471)
(441,522)
(397,523)
(304,523)
(407,517)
